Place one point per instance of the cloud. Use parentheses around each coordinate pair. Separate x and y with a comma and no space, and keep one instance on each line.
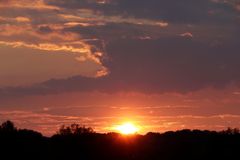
(28,28)
(84,49)
(26,4)
(24,32)
(16,19)
(192,12)
(157,68)
(232,3)
(48,124)
(89,17)
(22,19)
(212,109)
(187,34)
(26,66)
(120,39)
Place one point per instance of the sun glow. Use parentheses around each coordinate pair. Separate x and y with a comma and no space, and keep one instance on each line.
(127,128)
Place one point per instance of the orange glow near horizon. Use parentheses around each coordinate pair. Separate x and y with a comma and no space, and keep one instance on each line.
(127,128)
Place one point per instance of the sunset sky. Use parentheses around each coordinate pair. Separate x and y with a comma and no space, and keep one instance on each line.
(160,64)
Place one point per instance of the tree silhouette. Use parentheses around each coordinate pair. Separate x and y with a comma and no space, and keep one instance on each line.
(231,131)
(74,129)
(80,142)
(8,126)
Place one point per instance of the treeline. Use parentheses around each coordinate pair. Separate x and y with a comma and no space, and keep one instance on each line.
(83,143)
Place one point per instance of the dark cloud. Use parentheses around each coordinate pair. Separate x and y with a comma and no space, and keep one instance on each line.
(186,11)
(174,64)
(45,29)
(145,57)
(154,66)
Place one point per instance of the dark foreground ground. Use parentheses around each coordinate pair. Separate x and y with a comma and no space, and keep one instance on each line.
(80,143)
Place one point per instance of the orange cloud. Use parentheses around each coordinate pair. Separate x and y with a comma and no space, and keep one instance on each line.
(103,72)
(84,49)
(11,30)
(29,36)
(187,34)
(51,33)
(16,19)
(48,124)
(25,64)
(90,17)
(22,19)
(18,32)
(27,4)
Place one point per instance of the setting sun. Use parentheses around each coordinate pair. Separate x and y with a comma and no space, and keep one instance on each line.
(127,128)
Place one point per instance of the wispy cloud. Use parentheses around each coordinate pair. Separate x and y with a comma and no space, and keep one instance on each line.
(27,4)
(89,17)
(187,34)
(84,49)
(50,123)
